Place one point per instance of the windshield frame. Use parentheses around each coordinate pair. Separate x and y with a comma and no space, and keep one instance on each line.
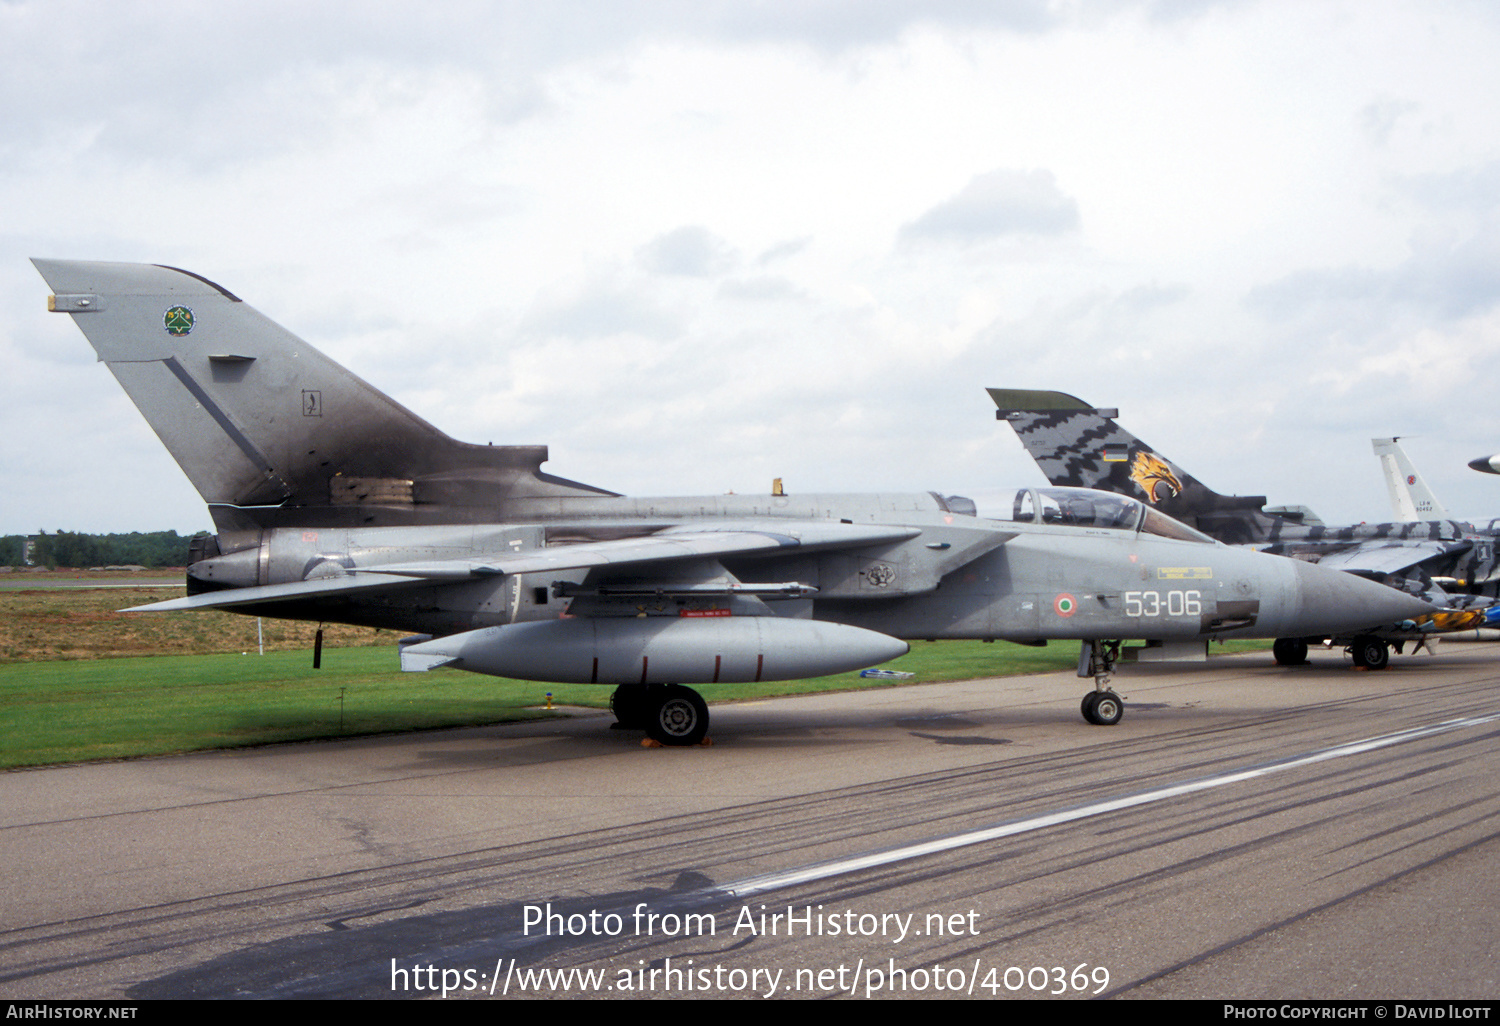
(1092,510)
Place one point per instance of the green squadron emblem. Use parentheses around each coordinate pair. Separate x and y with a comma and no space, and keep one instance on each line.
(178,321)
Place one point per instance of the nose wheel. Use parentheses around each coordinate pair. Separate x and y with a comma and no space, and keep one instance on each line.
(1101,706)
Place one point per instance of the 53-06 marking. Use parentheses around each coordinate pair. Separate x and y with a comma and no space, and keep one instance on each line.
(1168,603)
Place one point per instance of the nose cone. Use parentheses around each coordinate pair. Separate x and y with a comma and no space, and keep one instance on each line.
(1333,602)
(1486,464)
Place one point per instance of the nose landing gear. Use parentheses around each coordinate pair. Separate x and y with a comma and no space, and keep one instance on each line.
(1101,706)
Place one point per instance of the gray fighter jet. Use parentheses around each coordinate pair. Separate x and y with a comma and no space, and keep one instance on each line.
(335,504)
(1446,562)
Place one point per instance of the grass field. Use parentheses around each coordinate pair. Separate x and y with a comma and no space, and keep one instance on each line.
(74,685)
(49,622)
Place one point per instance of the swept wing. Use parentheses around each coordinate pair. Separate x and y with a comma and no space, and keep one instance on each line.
(673,544)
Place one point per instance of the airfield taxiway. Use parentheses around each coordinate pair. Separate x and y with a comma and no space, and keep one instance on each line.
(1246,831)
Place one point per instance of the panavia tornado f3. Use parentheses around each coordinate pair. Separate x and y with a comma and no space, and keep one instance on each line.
(1447,563)
(333,503)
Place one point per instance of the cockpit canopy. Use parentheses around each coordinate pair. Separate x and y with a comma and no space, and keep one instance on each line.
(1081,507)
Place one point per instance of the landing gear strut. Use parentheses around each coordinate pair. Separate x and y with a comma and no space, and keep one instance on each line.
(670,714)
(1101,706)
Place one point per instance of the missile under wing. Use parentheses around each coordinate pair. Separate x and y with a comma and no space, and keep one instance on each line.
(334,503)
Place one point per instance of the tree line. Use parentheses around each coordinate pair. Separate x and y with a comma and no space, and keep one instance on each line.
(71,549)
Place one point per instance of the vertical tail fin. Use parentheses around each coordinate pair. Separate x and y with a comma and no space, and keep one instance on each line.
(1079,446)
(1411,499)
(257,417)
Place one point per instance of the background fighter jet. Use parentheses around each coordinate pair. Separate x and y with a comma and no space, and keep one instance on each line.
(1446,562)
(1409,492)
(1412,500)
(334,503)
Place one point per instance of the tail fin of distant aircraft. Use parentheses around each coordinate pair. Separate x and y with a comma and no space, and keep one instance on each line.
(1411,499)
(1079,446)
(256,417)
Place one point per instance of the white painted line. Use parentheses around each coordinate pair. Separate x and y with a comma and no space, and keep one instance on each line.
(822,871)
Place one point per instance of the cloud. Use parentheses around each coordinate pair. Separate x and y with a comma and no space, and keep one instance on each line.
(600,309)
(752,229)
(691,251)
(837,24)
(996,204)
(784,250)
(1468,191)
(1380,118)
(760,288)
(1443,278)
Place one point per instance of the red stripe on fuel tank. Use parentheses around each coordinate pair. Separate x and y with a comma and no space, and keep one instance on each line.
(717,660)
(760,664)
(643,669)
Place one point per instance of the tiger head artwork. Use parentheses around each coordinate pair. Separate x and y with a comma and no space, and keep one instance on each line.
(1154,477)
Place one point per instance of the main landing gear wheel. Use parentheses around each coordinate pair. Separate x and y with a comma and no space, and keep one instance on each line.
(1290,651)
(632,704)
(1103,708)
(1370,652)
(679,719)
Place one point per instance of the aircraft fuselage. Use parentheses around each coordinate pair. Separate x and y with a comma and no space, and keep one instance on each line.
(956,576)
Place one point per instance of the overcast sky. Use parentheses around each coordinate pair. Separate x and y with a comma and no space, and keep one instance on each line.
(692,246)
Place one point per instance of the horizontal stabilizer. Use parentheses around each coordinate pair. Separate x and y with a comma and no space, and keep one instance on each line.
(421,662)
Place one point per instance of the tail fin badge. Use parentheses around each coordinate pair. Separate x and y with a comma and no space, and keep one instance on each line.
(178,321)
(1154,477)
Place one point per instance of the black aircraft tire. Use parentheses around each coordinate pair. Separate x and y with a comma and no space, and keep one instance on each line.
(679,718)
(1290,651)
(631,704)
(1108,709)
(1087,706)
(1371,653)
